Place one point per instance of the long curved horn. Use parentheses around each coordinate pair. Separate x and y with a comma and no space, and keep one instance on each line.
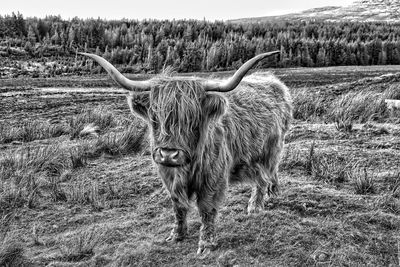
(231,83)
(136,86)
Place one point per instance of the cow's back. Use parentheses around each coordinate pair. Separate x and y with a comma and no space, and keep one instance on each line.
(259,114)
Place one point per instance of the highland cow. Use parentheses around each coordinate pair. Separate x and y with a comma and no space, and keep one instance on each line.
(205,134)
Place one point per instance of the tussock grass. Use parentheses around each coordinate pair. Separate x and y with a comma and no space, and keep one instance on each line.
(79,155)
(363,182)
(293,158)
(389,203)
(81,245)
(29,172)
(27,161)
(84,193)
(392,92)
(12,253)
(356,107)
(324,167)
(331,168)
(30,131)
(91,122)
(395,187)
(345,109)
(6,219)
(307,106)
(11,198)
(127,142)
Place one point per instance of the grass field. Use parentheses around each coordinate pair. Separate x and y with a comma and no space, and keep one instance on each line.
(78,186)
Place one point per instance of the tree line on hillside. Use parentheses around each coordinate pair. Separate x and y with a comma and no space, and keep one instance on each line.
(192,45)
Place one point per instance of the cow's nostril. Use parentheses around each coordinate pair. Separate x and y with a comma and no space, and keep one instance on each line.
(163,153)
(174,155)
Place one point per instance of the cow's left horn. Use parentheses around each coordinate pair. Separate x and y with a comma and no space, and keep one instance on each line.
(136,86)
(231,84)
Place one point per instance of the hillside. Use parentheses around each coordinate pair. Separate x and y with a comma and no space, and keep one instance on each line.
(362,10)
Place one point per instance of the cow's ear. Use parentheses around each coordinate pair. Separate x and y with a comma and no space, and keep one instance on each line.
(214,105)
(139,104)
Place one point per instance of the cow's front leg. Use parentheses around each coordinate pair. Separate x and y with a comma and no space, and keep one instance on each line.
(208,214)
(179,231)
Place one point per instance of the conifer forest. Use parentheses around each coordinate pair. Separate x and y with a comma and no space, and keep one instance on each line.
(191,45)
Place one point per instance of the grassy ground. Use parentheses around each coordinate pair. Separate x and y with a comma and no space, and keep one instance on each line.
(78,187)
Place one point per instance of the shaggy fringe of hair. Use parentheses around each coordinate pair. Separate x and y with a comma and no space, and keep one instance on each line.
(177,104)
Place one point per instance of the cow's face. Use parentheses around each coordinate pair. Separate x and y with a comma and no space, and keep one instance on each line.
(178,113)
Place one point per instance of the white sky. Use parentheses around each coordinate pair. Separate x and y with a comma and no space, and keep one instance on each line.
(162,9)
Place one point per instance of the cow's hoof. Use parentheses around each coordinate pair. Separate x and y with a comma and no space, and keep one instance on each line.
(175,237)
(205,248)
(203,252)
(252,209)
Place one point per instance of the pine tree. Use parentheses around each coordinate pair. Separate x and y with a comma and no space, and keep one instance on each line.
(31,35)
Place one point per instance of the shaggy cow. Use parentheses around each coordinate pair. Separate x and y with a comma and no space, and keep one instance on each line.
(205,134)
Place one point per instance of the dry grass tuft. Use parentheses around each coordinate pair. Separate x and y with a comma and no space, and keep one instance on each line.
(343,109)
(82,244)
(91,122)
(11,198)
(293,158)
(12,253)
(30,131)
(79,155)
(90,130)
(389,203)
(395,187)
(363,182)
(392,92)
(85,193)
(332,169)
(116,144)
(361,107)
(307,106)
(27,161)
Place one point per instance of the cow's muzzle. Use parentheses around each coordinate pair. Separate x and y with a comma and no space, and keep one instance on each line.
(170,157)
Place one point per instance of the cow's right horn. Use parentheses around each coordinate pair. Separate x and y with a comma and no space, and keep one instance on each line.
(231,83)
(136,86)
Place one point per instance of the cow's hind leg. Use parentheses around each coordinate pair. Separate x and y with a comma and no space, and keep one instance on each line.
(265,182)
(179,231)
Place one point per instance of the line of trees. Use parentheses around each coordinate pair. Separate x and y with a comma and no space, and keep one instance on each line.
(191,45)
